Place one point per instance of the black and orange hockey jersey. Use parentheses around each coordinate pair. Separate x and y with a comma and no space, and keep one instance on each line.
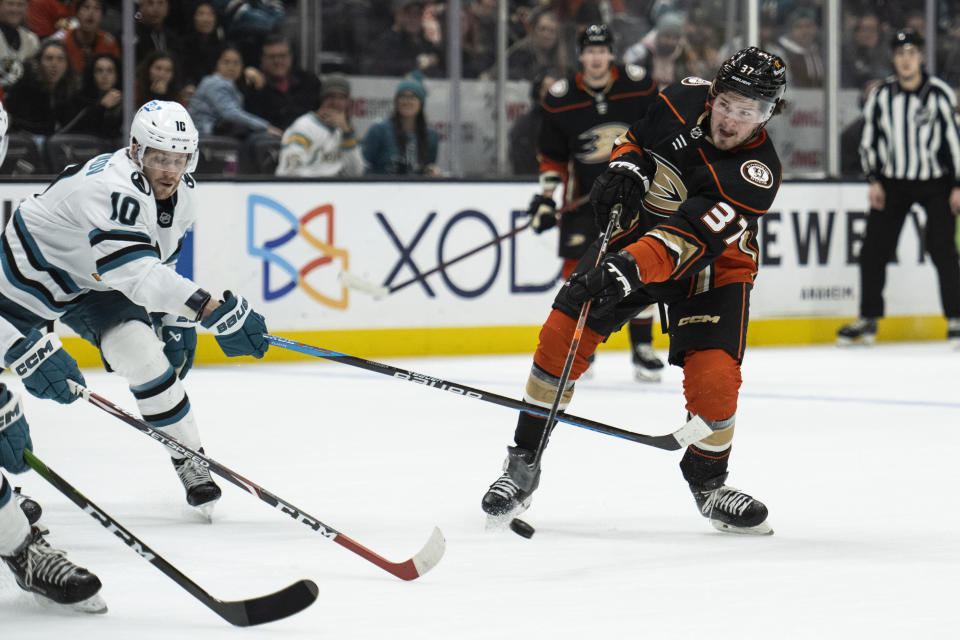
(581,124)
(703,207)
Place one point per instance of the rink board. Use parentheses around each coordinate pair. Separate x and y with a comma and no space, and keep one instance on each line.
(283,244)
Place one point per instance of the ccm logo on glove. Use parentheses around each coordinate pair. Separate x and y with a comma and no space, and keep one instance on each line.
(41,350)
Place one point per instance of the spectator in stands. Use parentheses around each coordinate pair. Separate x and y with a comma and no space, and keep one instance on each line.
(217,105)
(249,22)
(102,99)
(801,50)
(664,51)
(285,92)
(539,50)
(322,143)
(479,37)
(526,130)
(404,47)
(157,79)
(703,44)
(152,31)
(204,41)
(17,43)
(46,98)
(403,144)
(863,56)
(87,39)
(46,17)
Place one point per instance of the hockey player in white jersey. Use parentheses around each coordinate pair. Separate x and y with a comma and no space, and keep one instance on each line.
(36,566)
(96,249)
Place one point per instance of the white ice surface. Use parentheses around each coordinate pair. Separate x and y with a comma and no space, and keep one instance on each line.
(854,451)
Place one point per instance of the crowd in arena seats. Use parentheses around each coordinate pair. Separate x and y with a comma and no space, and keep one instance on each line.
(233,63)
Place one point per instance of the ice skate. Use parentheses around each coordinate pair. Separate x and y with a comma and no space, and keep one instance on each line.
(647,367)
(46,572)
(202,491)
(953,332)
(860,331)
(729,509)
(31,509)
(505,500)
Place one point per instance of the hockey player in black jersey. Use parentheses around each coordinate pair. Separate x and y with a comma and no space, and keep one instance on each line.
(693,177)
(584,114)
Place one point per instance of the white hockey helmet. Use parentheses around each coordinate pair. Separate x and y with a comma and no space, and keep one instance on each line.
(165,126)
(4,140)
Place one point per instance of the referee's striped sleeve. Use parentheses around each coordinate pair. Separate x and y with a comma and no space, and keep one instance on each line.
(868,153)
(947,106)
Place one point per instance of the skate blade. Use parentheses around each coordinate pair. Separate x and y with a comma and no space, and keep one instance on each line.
(762,529)
(206,510)
(855,342)
(93,604)
(502,521)
(641,374)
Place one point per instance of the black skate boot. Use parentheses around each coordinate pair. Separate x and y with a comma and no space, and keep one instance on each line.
(647,367)
(45,571)
(953,332)
(31,508)
(730,509)
(505,500)
(860,331)
(202,491)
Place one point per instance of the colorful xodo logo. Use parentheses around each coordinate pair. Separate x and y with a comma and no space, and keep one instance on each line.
(259,205)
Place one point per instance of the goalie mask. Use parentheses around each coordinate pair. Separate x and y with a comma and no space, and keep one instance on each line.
(165,126)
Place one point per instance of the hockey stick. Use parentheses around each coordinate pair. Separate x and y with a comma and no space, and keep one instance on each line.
(411,569)
(242,613)
(671,441)
(378,292)
(523,473)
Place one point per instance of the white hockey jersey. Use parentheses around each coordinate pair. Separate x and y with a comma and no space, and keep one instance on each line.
(311,149)
(97,227)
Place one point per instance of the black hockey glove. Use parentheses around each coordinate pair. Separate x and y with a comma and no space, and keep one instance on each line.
(616,277)
(542,213)
(625,180)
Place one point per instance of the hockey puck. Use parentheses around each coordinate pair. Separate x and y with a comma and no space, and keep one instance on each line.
(521,528)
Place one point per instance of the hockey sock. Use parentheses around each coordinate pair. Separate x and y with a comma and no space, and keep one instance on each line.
(541,390)
(641,331)
(14,527)
(700,464)
(135,352)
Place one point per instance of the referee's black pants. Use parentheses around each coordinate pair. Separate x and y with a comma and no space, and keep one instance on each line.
(883,232)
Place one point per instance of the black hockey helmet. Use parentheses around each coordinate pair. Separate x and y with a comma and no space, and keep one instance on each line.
(596,35)
(904,37)
(754,73)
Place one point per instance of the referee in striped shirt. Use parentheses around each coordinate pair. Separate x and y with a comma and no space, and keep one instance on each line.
(910,152)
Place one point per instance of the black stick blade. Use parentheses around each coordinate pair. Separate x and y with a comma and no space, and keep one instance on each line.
(275,606)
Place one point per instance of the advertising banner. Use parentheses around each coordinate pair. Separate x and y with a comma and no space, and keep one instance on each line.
(282,245)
